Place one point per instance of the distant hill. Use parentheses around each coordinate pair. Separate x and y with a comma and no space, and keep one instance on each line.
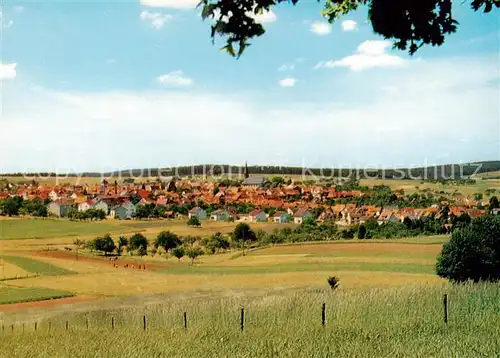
(448,171)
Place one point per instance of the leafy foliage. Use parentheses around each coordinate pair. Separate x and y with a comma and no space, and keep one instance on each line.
(193,253)
(216,242)
(138,242)
(168,240)
(104,244)
(194,221)
(178,252)
(242,234)
(410,24)
(473,253)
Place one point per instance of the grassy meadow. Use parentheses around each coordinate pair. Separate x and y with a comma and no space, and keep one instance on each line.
(393,322)
(9,295)
(388,304)
(29,265)
(12,229)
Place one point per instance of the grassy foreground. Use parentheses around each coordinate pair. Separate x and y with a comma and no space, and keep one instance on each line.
(394,322)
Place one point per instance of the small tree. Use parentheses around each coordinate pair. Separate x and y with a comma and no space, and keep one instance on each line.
(122,242)
(216,242)
(140,243)
(193,253)
(178,252)
(361,232)
(108,244)
(333,281)
(167,240)
(242,234)
(194,221)
(190,240)
(105,244)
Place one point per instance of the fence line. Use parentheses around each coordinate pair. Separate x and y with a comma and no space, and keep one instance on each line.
(185,319)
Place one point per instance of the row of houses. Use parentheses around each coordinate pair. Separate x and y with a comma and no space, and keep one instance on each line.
(257,215)
(117,208)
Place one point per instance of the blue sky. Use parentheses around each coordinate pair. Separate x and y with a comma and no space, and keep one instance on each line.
(102,86)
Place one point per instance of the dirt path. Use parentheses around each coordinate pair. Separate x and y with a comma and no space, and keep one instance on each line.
(46,303)
(121,262)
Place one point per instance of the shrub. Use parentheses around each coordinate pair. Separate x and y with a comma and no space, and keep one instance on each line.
(178,252)
(194,221)
(473,252)
(361,232)
(193,253)
(333,281)
(167,240)
(138,241)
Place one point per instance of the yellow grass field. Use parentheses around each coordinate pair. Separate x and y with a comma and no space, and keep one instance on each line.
(358,264)
(9,271)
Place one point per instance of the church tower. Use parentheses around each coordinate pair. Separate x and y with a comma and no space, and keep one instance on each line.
(246,171)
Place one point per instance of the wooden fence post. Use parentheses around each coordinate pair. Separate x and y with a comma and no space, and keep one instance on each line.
(445,306)
(67,326)
(144,322)
(87,323)
(185,320)
(12,327)
(323,314)
(112,322)
(35,326)
(242,319)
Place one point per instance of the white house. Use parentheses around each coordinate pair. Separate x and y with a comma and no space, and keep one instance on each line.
(257,215)
(281,217)
(101,205)
(198,212)
(123,211)
(301,215)
(86,205)
(220,215)
(59,208)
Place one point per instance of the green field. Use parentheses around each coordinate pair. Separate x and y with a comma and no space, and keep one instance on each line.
(35,266)
(397,322)
(9,295)
(45,228)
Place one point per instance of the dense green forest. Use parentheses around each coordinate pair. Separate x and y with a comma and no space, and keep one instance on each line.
(448,171)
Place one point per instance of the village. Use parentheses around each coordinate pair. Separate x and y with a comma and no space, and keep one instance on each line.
(253,199)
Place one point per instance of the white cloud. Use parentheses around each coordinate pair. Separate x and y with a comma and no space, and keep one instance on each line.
(433,104)
(287,82)
(157,19)
(370,54)
(110,60)
(349,25)
(175,78)
(173,4)
(265,17)
(8,24)
(286,67)
(8,71)
(321,28)
(18,9)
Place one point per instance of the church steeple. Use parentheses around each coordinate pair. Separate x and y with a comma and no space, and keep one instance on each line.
(246,171)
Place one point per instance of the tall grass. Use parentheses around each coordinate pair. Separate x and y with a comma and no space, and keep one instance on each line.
(396,322)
